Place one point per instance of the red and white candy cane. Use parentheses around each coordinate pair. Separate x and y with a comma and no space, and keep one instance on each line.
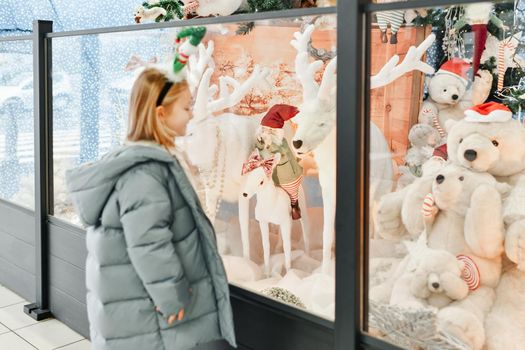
(504,47)
(470,272)
(428,209)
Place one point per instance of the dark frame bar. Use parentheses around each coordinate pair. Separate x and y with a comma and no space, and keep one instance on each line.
(43,154)
(240,18)
(16,38)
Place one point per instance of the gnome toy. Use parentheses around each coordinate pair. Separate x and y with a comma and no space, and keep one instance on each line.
(478,16)
(287,174)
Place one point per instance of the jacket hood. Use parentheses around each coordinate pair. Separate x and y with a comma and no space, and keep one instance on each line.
(91,184)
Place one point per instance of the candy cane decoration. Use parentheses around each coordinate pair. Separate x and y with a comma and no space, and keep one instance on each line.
(470,272)
(429,210)
(505,47)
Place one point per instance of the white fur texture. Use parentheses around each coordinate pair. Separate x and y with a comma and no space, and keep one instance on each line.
(273,206)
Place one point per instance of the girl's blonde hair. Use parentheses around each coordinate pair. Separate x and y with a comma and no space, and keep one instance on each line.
(144,123)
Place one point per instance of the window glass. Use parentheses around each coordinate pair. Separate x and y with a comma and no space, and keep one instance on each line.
(447,152)
(16,123)
(259,66)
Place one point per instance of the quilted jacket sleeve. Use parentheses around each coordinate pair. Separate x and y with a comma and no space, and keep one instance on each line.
(146,214)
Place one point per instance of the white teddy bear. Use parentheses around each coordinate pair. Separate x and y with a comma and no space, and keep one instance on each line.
(428,278)
(487,140)
(463,216)
(490,140)
(423,139)
(450,95)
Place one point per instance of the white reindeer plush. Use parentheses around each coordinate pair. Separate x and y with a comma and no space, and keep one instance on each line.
(317,122)
(273,206)
(218,145)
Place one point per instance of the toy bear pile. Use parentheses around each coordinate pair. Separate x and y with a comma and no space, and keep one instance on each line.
(462,200)
(449,242)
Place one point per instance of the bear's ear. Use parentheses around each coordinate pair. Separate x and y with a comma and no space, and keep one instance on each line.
(503,188)
(449,124)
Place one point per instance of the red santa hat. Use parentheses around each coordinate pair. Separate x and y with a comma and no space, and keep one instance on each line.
(490,112)
(456,67)
(277,115)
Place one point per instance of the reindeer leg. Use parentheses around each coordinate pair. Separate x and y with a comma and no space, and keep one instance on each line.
(244,221)
(286,234)
(305,221)
(328,224)
(265,235)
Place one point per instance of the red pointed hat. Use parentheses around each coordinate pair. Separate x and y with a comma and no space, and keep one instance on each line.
(490,112)
(277,115)
(456,67)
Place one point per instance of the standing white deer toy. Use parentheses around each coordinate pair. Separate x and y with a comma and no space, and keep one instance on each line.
(273,205)
(218,145)
(317,120)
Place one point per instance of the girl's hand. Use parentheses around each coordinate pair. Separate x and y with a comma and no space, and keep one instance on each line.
(175,317)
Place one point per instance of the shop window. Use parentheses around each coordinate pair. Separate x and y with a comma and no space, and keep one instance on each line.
(446,152)
(101,70)
(16,123)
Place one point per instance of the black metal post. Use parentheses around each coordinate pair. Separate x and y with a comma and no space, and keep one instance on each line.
(350,167)
(39,310)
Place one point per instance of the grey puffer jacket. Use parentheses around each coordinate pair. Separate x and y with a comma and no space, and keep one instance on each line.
(149,244)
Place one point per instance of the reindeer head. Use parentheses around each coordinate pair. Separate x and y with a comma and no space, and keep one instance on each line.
(203,134)
(317,115)
(257,172)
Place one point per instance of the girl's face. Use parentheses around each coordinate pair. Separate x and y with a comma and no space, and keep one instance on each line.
(177,116)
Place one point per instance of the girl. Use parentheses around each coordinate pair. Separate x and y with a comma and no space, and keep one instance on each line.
(154,277)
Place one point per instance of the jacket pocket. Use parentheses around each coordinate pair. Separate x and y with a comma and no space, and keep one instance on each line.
(202,302)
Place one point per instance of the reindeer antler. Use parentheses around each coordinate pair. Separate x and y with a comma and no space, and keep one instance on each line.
(204,103)
(392,70)
(229,99)
(305,70)
(198,64)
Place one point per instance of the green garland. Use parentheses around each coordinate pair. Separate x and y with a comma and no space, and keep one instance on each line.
(514,98)
(269,5)
(173,8)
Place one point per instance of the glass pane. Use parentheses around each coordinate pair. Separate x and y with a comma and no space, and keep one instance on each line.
(96,74)
(447,145)
(16,123)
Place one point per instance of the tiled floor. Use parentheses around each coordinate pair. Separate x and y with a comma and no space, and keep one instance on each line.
(20,332)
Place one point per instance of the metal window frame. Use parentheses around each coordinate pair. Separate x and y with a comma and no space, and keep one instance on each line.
(43,111)
(353,126)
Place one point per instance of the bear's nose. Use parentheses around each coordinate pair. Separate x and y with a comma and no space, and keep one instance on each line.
(470,155)
(455,97)
(440,179)
(245,194)
(297,143)
(435,285)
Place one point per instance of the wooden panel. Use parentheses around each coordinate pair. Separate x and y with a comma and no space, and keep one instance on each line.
(68,278)
(17,252)
(18,221)
(18,280)
(395,107)
(68,245)
(69,311)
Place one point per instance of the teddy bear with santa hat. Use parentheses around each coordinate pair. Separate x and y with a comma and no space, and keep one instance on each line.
(450,93)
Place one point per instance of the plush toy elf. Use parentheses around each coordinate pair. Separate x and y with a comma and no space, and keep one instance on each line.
(478,17)
(189,47)
(270,142)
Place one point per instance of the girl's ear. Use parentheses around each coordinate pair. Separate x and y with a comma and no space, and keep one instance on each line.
(161,112)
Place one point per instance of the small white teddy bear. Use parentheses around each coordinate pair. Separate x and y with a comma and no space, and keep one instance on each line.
(423,138)
(428,278)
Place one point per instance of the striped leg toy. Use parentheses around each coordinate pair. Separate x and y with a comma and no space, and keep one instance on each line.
(395,19)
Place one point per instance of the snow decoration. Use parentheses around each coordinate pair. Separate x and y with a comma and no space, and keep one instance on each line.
(410,328)
(283,295)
